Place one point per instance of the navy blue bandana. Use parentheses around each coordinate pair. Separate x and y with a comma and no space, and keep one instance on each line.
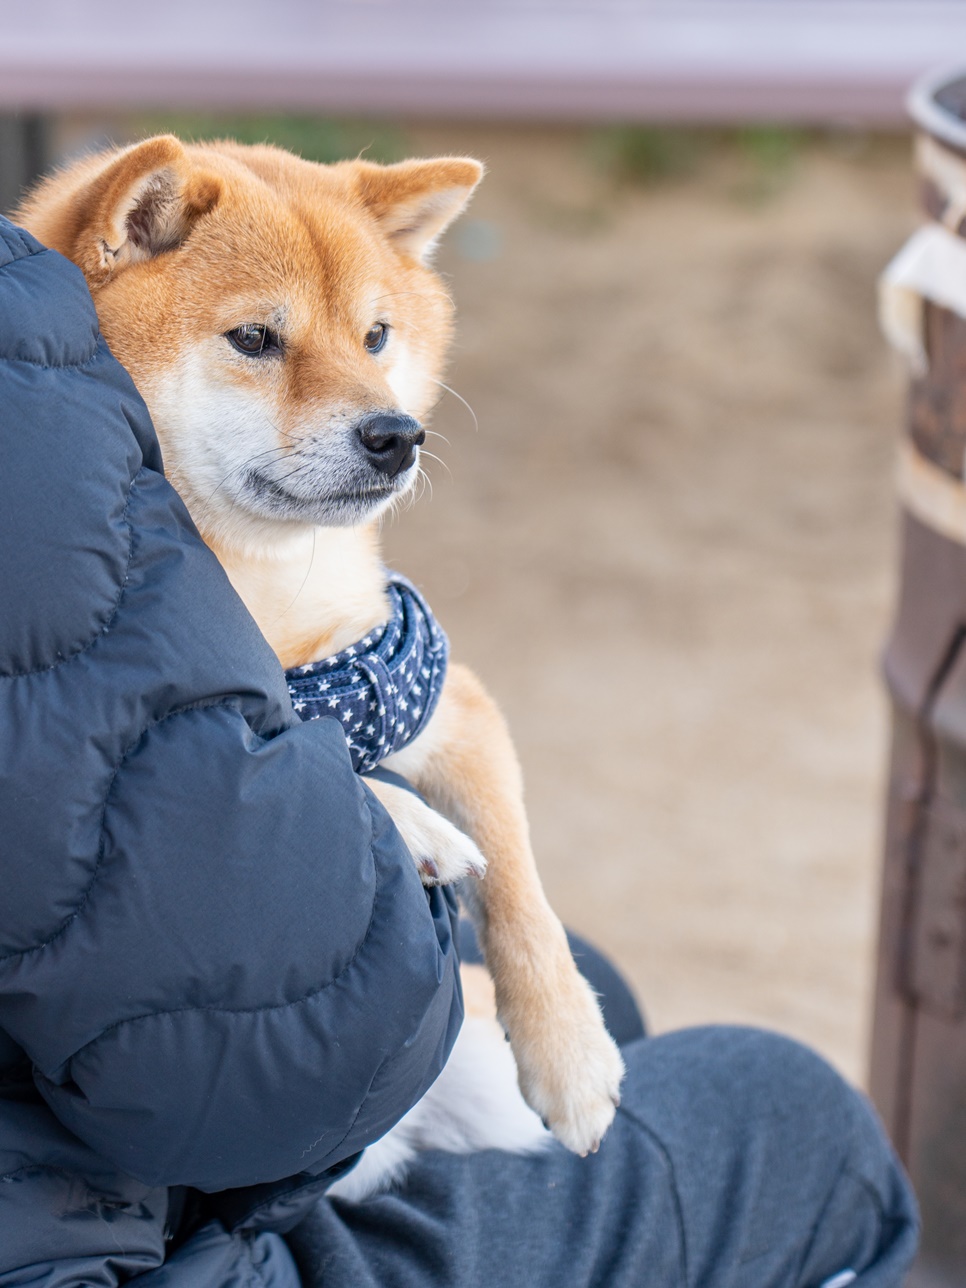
(383,689)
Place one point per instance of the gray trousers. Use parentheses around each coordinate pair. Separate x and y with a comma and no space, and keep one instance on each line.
(738,1159)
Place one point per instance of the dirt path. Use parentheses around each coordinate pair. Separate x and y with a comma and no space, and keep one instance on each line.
(669,550)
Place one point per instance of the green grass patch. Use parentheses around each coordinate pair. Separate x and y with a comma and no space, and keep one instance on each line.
(755,162)
(647,155)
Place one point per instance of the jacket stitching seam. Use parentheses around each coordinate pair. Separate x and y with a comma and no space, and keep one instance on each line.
(14,234)
(363,1102)
(115,608)
(55,366)
(241,1010)
(102,838)
(241,1221)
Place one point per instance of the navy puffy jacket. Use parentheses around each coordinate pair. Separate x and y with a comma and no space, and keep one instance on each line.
(218,968)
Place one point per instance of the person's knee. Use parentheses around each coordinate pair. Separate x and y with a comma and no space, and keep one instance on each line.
(799,1155)
(726,1098)
(775,1079)
(770,1077)
(752,1072)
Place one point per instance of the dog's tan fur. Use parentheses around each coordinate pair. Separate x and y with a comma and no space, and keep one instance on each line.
(182,243)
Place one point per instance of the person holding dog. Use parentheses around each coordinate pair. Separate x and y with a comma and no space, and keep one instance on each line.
(220,977)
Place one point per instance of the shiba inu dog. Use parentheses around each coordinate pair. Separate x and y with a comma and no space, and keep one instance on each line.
(281,321)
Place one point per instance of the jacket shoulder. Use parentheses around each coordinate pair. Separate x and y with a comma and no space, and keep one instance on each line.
(70,460)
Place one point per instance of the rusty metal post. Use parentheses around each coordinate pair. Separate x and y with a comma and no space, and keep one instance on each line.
(918,1067)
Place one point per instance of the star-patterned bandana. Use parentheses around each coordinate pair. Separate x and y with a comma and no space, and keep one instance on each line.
(383,689)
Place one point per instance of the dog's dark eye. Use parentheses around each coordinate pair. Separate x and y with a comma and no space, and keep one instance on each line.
(254,340)
(376,337)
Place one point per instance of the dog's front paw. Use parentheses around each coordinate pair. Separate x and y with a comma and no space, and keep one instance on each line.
(441,852)
(571,1070)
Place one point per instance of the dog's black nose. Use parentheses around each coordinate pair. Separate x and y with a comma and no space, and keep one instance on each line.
(389,440)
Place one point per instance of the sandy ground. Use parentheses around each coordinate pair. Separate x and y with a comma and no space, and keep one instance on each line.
(669,548)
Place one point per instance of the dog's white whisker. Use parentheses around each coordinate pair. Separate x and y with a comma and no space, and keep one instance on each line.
(245,464)
(392,295)
(308,573)
(476,423)
(399,502)
(284,433)
(302,465)
(426,482)
(433,457)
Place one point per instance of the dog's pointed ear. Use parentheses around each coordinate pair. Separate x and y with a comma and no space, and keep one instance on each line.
(414,202)
(144,202)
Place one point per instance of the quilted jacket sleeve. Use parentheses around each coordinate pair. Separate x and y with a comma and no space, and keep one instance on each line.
(214,950)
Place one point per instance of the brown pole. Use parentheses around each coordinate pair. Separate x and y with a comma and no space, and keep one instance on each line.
(918,1060)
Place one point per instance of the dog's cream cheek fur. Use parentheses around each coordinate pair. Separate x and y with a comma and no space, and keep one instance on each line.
(409,381)
(212,430)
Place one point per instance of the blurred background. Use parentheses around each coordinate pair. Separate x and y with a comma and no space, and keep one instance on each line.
(661,524)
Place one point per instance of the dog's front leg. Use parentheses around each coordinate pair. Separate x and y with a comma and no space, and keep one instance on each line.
(465,765)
